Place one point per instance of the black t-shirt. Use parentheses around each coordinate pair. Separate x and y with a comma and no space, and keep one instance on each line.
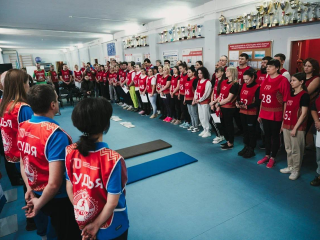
(169,78)
(304,100)
(234,89)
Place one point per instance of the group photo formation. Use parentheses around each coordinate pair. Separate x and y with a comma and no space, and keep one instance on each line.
(198,120)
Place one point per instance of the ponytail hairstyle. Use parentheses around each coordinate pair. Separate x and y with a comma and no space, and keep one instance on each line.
(251,74)
(301,77)
(91,116)
(220,69)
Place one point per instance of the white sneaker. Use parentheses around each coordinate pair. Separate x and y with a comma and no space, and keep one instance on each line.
(294,175)
(129,108)
(195,130)
(203,132)
(218,139)
(190,128)
(187,125)
(206,134)
(286,170)
(158,112)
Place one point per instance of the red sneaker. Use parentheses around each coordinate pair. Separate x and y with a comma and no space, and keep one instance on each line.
(270,163)
(169,120)
(263,160)
(166,119)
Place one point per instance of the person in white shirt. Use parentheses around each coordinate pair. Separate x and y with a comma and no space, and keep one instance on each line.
(202,98)
(284,72)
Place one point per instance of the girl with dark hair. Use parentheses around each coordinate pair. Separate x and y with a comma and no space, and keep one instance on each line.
(202,98)
(274,92)
(174,92)
(311,69)
(107,172)
(229,90)
(143,88)
(190,87)
(220,75)
(164,92)
(198,65)
(248,103)
(184,109)
(294,124)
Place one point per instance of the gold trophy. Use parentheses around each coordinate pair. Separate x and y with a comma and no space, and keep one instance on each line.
(124,44)
(306,12)
(183,31)
(283,5)
(299,12)
(245,17)
(222,20)
(174,33)
(165,35)
(294,7)
(161,37)
(189,31)
(249,20)
(231,20)
(266,10)
(178,33)
(254,20)
(314,7)
(288,14)
(259,9)
(276,5)
(194,29)
(240,23)
(138,41)
(133,39)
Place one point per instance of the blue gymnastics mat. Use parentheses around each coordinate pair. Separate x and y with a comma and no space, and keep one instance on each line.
(157,166)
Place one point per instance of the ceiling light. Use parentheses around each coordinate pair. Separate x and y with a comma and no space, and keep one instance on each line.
(70,16)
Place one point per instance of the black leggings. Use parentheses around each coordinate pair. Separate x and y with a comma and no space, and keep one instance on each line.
(139,99)
(185,116)
(146,106)
(249,123)
(237,119)
(166,102)
(175,107)
(56,86)
(227,123)
(272,136)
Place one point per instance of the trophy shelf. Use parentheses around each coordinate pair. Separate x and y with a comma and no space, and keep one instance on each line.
(268,28)
(135,47)
(182,40)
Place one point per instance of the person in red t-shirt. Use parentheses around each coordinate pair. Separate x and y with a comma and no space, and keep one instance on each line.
(294,124)
(220,75)
(67,81)
(243,66)
(185,116)
(174,92)
(152,93)
(248,103)
(54,78)
(147,64)
(164,92)
(311,69)
(143,92)
(78,77)
(229,90)
(262,73)
(274,93)
(282,58)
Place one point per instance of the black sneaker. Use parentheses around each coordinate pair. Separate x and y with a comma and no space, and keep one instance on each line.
(224,144)
(31,226)
(262,146)
(226,147)
(238,133)
(243,151)
(315,182)
(136,110)
(249,153)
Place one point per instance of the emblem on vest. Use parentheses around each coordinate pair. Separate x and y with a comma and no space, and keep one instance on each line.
(7,142)
(29,170)
(267,87)
(289,102)
(5,123)
(84,206)
(224,88)
(245,92)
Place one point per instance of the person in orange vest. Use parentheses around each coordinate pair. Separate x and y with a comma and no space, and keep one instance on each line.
(96,175)
(42,144)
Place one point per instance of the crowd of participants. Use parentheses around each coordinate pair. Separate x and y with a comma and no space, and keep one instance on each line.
(268,104)
(71,190)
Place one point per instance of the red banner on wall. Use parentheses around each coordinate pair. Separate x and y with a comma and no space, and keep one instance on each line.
(255,45)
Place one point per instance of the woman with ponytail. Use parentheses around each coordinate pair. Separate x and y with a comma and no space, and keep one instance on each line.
(97,173)
(294,124)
